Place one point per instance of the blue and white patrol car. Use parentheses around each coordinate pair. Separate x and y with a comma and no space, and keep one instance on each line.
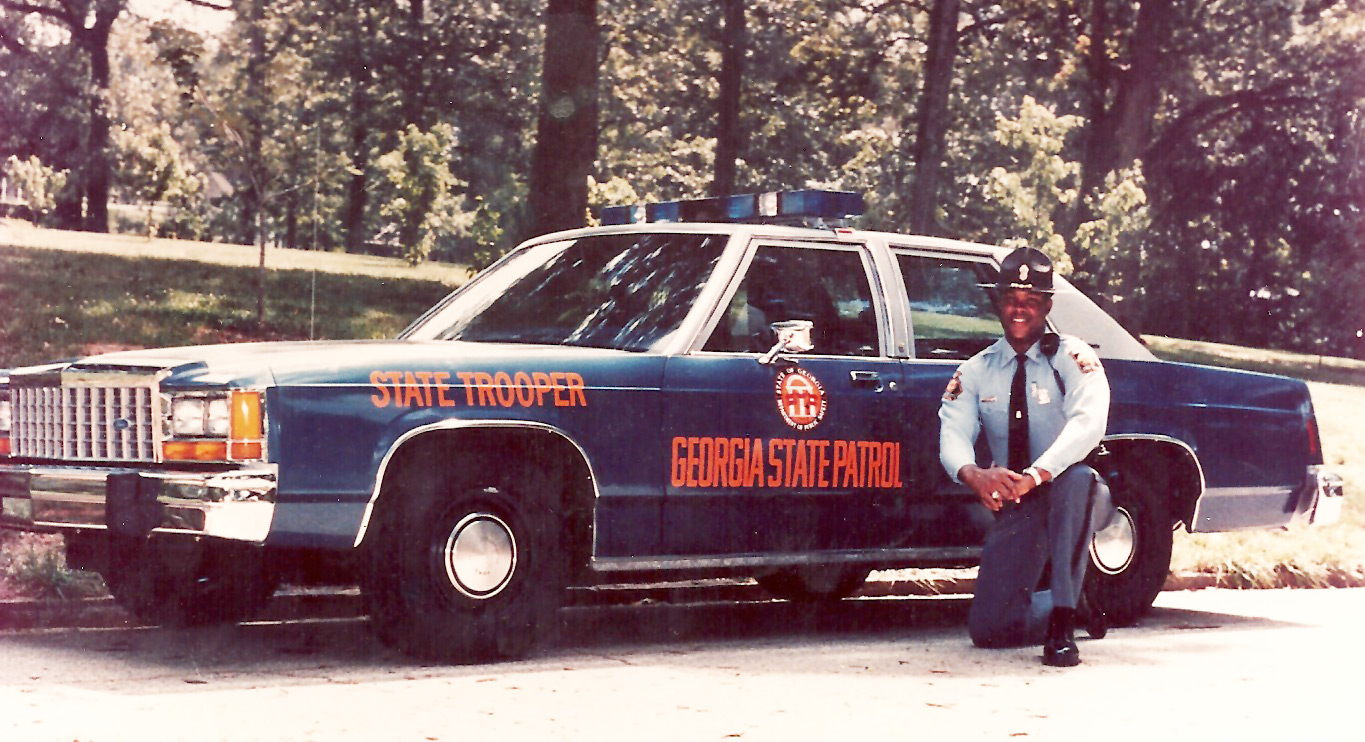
(658,395)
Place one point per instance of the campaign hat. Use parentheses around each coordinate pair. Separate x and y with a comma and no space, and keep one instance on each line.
(1026,268)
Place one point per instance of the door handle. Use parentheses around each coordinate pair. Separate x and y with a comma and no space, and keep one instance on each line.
(866,378)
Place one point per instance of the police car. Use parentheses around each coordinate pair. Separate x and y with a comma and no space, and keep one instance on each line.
(660,395)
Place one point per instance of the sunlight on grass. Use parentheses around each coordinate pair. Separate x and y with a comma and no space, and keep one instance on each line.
(64,303)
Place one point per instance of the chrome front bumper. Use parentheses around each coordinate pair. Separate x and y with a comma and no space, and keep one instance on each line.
(237,505)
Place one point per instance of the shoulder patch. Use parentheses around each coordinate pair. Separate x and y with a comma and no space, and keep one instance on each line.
(954,389)
(1085,357)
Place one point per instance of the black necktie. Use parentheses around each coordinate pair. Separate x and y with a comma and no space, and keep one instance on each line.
(1018,452)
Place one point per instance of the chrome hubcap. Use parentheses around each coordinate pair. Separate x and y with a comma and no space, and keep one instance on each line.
(480,555)
(1113,548)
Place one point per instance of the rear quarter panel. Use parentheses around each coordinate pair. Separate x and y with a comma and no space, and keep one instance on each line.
(1249,431)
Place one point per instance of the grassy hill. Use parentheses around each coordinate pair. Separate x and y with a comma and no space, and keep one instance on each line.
(67,293)
(72,293)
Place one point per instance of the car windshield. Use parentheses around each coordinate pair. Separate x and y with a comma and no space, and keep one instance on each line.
(621,291)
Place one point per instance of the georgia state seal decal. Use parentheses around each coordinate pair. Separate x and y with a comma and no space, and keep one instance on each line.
(801,398)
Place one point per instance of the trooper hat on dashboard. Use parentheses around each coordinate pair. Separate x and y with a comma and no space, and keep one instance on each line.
(1025,268)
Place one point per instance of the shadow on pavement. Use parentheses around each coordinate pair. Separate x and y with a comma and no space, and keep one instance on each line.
(313,649)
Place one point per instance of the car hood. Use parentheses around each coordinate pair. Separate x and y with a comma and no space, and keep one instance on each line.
(313,362)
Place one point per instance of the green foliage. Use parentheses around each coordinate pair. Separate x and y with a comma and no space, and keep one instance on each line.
(37,185)
(1042,181)
(422,204)
(36,565)
(152,168)
(1115,237)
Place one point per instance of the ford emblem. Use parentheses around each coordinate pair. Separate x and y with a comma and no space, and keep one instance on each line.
(122,424)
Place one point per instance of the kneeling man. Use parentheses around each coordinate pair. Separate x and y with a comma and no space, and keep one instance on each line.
(1043,402)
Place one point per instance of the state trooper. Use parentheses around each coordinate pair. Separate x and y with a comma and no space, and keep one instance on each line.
(1043,402)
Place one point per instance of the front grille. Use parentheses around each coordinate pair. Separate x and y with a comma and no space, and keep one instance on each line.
(85,422)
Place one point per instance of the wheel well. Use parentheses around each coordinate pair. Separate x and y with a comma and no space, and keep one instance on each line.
(515,447)
(1170,460)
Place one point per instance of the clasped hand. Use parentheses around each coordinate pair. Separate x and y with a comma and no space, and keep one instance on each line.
(997,485)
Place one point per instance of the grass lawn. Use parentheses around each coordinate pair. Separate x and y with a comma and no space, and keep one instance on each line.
(68,294)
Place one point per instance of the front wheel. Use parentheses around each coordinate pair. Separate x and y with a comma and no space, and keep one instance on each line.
(1131,558)
(463,568)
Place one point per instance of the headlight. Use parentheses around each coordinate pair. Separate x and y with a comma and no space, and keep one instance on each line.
(187,417)
(217,418)
(6,413)
(6,421)
(217,426)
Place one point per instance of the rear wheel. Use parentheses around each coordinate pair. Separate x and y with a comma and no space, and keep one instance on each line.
(462,566)
(814,584)
(181,582)
(1131,558)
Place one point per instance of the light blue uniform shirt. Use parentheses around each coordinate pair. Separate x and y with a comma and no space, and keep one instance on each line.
(1063,429)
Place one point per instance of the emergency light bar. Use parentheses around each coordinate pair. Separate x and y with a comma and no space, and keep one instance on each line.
(812,207)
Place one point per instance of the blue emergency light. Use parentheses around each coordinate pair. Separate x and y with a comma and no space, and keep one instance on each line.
(805,206)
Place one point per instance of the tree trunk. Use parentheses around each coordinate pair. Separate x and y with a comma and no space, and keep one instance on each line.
(1118,135)
(566,132)
(253,127)
(414,80)
(357,198)
(94,39)
(727,114)
(357,194)
(932,127)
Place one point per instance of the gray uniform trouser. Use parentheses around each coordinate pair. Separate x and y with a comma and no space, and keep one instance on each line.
(1051,525)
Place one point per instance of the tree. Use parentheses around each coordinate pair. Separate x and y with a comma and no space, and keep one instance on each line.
(152,168)
(566,131)
(36,183)
(932,116)
(88,25)
(422,203)
(1040,183)
(729,136)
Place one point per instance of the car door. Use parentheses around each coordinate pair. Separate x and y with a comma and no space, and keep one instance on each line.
(797,454)
(952,318)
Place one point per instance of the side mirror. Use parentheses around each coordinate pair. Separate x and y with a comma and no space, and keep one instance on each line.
(793,336)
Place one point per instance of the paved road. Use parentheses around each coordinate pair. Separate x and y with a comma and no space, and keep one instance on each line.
(1208,665)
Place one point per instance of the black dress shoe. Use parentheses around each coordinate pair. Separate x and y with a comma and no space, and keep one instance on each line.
(1059,650)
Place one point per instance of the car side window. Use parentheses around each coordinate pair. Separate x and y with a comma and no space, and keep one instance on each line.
(953,316)
(828,286)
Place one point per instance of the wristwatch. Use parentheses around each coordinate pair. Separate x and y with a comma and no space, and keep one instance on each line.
(1037,478)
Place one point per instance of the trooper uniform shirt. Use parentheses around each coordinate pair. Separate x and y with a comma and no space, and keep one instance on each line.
(1063,428)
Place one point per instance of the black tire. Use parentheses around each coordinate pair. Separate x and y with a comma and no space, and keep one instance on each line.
(181,582)
(428,598)
(1126,584)
(814,584)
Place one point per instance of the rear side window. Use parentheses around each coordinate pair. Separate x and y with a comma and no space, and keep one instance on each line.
(952,314)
